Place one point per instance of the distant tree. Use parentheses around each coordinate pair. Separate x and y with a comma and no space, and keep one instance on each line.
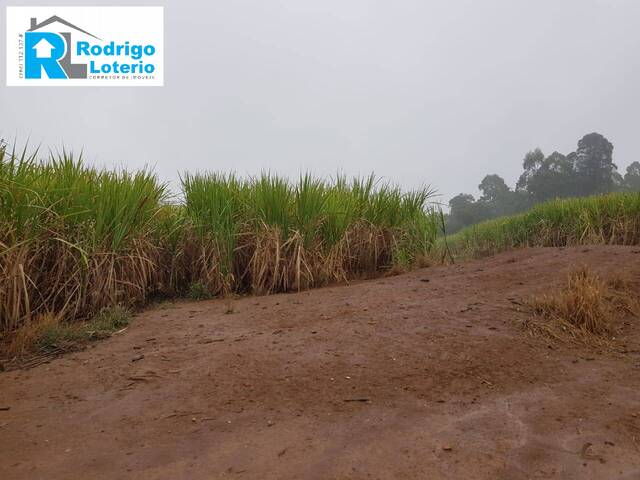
(547,178)
(499,198)
(465,210)
(531,164)
(493,188)
(587,171)
(594,165)
(631,182)
(461,208)
(618,182)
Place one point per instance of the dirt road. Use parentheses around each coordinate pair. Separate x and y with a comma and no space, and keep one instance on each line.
(427,375)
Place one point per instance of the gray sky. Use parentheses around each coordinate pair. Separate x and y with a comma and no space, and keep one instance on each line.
(419,91)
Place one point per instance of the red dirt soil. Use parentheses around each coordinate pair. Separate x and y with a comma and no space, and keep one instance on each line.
(427,375)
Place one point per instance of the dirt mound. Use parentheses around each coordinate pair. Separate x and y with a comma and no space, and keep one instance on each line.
(425,375)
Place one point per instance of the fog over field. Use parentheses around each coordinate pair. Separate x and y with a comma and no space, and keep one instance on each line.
(419,91)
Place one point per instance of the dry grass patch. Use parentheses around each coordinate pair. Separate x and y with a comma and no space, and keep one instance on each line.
(51,333)
(585,307)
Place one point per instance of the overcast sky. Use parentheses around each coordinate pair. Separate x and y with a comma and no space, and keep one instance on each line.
(436,92)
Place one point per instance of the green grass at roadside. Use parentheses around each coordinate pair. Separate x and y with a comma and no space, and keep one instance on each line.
(603,219)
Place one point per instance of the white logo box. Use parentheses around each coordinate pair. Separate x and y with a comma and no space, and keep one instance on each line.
(55,33)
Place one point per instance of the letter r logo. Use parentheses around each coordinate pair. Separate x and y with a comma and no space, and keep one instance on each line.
(43,50)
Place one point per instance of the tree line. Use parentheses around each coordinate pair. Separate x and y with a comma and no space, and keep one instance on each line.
(587,171)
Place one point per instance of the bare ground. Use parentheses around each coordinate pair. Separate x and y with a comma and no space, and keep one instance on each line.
(426,375)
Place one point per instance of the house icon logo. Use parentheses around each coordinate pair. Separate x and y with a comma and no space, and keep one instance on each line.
(49,53)
(85,46)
